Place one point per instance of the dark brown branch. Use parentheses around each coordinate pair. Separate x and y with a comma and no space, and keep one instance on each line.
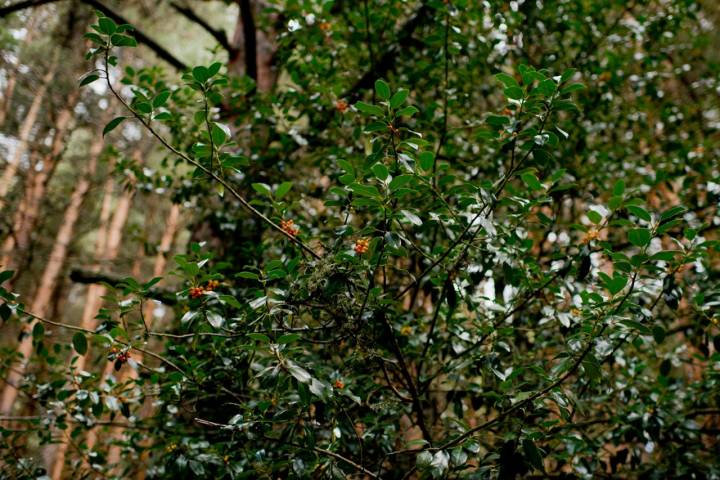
(250,39)
(389,58)
(139,35)
(85,276)
(16,7)
(219,35)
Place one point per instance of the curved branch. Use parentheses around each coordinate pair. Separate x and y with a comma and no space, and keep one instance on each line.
(160,51)
(219,35)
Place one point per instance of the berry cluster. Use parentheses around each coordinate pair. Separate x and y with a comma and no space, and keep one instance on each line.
(339,384)
(212,285)
(119,356)
(196,292)
(288,226)
(362,245)
(341,106)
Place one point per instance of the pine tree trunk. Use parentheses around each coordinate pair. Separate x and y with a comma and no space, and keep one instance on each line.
(25,130)
(15,247)
(6,100)
(171,227)
(55,264)
(107,246)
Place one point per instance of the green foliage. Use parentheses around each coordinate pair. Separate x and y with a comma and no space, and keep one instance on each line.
(475,270)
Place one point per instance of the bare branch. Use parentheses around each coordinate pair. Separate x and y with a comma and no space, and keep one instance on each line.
(219,35)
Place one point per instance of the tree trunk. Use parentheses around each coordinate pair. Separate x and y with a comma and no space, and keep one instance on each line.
(15,246)
(25,130)
(55,264)
(6,100)
(107,246)
(253,49)
(166,242)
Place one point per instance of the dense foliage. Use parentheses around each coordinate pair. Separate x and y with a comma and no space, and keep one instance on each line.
(456,240)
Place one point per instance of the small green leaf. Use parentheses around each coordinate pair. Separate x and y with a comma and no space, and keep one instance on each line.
(262,189)
(507,80)
(219,133)
(200,74)
(407,111)
(619,188)
(382,89)
(639,212)
(161,98)
(380,171)
(283,189)
(38,331)
(514,93)
(640,237)
(594,216)
(370,109)
(80,343)
(532,454)
(107,26)
(112,124)
(89,79)
(123,41)
(534,184)
(399,98)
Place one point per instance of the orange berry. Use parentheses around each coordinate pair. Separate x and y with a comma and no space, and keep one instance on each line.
(325,26)
(289,227)
(341,106)
(212,285)
(339,384)
(362,245)
(196,292)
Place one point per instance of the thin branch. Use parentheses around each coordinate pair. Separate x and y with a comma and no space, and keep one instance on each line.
(249,39)
(218,34)
(77,275)
(204,169)
(160,51)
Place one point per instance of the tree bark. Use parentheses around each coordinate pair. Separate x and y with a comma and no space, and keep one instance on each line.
(26,129)
(107,246)
(171,228)
(6,100)
(16,245)
(55,264)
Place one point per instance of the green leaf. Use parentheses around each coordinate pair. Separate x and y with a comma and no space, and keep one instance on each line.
(219,133)
(380,171)
(112,125)
(288,338)
(95,38)
(370,109)
(80,343)
(534,184)
(507,80)
(6,275)
(639,212)
(572,88)
(283,189)
(161,98)
(619,188)
(399,98)
(616,283)
(640,237)
(594,216)
(89,79)
(123,40)
(382,89)
(262,189)
(107,26)
(514,93)
(426,160)
(532,454)
(658,333)
(38,331)
(200,74)
(407,111)
(259,337)
(671,213)
(412,218)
